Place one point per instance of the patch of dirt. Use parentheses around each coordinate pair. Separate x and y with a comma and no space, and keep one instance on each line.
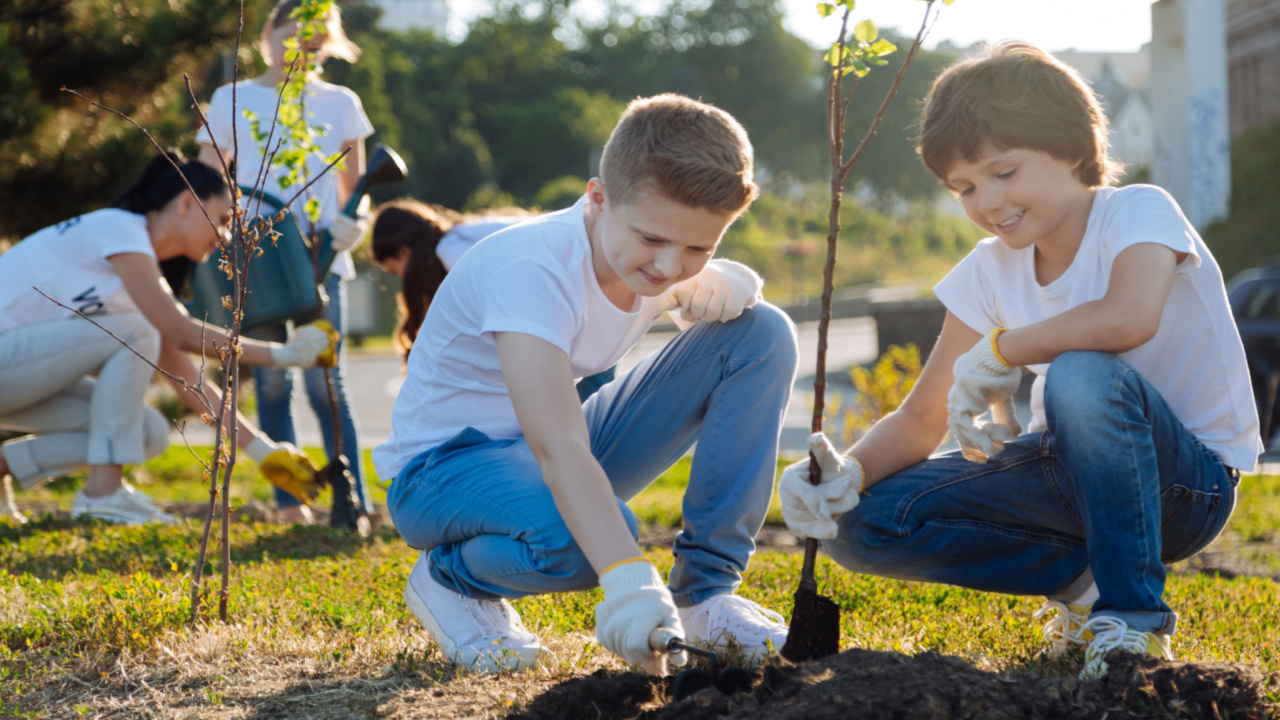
(873,685)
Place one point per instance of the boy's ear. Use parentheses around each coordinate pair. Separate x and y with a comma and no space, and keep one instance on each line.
(595,196)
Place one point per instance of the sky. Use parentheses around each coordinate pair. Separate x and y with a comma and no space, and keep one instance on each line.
(1090,25)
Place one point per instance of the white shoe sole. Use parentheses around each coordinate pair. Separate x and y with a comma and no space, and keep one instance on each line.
(486,662)
(122,519)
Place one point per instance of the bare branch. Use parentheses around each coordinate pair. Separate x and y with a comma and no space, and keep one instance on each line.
(929,15)
(157,146)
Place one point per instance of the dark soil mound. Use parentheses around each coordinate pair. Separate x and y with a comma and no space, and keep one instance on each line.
(873,685)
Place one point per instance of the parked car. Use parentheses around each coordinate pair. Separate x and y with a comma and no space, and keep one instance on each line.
(1255,301)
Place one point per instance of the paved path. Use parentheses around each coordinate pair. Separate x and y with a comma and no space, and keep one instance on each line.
(374,379)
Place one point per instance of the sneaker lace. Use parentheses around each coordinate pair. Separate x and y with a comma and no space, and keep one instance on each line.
(1064,628)
(1110,633)
(739,617)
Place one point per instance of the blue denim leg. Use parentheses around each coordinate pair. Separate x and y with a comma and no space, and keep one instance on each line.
(273,388)
(489,521)
(1116,486)
(725,386)
(318,392)
(482,508)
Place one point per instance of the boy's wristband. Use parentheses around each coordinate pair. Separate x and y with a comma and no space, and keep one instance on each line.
(995,347)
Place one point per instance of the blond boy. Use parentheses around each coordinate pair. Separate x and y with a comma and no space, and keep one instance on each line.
(511,486)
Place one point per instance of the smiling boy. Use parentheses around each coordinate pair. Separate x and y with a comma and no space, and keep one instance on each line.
(1141,408)
(511,486)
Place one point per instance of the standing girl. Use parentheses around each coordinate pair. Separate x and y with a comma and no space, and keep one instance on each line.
(336,110)
(104,265)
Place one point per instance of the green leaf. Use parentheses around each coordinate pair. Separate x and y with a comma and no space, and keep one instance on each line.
(865,31)
(848,4)
(881,47)
(860,68)
(825,9)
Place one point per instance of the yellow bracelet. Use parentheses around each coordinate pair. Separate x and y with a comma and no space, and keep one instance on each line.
(995,348)
(624,562)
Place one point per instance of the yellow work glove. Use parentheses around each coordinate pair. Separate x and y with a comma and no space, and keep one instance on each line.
(286,467)
(329,357)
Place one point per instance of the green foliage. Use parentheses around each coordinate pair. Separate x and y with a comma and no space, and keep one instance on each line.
(58,156)
(1252,231)
(878,391)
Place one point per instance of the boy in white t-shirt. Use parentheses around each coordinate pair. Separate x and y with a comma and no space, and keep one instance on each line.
(511,487)
(1142,412)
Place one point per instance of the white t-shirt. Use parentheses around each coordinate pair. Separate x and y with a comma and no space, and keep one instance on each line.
(460,238)
(1195,360)
(534,278)
(333,108)
(68,261)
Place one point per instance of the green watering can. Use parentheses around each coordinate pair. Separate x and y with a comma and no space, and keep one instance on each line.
(283,279)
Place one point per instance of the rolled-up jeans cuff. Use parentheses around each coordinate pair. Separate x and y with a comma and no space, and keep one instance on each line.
(118,450)
(1163,623)
(22,464)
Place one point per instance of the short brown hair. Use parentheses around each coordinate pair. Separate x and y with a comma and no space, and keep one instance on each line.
(1015,95)
(692,152)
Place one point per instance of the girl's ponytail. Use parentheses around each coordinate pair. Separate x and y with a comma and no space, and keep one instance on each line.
(161,182)
(407,223)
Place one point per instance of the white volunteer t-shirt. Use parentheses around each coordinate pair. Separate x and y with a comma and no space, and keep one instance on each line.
(335,109)
(68,261)
(460,238)
(1195,360)
(534,278)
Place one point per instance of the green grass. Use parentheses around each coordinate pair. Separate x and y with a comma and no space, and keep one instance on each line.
(71,591)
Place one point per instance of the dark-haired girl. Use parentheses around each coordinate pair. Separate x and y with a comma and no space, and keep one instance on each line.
(105,265)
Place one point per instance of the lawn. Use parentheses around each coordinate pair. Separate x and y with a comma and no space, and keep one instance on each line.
(94,618)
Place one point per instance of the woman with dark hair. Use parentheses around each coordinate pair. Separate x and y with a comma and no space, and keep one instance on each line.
(104,265)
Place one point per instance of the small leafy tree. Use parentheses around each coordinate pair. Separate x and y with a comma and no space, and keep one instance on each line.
(287,142)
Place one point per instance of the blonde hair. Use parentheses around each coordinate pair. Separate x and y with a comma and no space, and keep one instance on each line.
(689,151)
(336,43)
(1015,95)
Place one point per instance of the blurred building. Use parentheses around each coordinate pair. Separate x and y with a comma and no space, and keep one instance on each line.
(1253,56)
(1121,81)
(414,15)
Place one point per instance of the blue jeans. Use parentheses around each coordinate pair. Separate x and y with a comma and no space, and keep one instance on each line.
(1113,490)
(274,389)
(481,508)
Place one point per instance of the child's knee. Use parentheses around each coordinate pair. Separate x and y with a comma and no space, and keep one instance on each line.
(1078,383)
(138,333)
(863,545)
(772,329)
(155,433)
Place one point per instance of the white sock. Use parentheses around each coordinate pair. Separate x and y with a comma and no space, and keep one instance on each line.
(1088,597)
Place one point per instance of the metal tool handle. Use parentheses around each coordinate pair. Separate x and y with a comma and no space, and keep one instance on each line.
(665,640)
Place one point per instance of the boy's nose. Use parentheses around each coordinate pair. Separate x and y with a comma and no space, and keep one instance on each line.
(667,262)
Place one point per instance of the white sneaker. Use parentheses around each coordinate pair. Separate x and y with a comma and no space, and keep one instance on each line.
(724,619)
(128,505)
(485,636)
(10,507)
(1106,633)
(1063,630)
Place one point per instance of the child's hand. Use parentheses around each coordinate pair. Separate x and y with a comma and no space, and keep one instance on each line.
(719,293)
(983,381)
(312,344)
(636,602)
(811,510)
(345,232)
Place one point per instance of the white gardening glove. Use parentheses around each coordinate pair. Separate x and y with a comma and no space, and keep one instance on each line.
(286,467)
(345,232)
(719,293)
(312,344)
(811,510)
(982,381)
(636,602)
